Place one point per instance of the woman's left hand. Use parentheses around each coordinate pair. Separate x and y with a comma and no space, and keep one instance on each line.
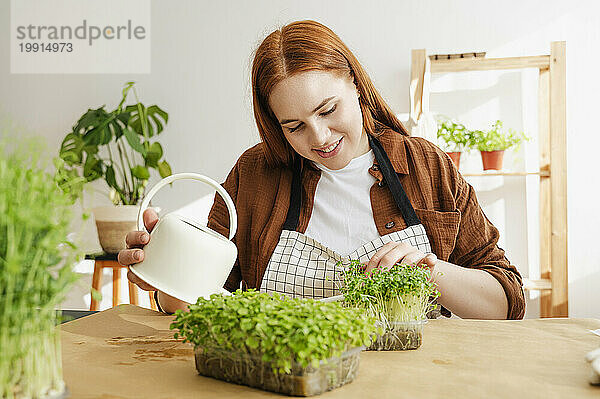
(398,252)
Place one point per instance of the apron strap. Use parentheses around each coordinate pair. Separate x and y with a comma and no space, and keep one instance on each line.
(293,215)
(393,182)
(389,175)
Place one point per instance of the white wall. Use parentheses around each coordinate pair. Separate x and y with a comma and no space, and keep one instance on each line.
(200,74)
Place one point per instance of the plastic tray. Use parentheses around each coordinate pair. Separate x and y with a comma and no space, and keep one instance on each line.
(249,370)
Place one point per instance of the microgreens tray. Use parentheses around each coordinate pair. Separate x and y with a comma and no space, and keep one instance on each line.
(292,346)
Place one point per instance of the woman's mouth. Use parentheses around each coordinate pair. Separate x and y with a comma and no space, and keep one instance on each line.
(330,151)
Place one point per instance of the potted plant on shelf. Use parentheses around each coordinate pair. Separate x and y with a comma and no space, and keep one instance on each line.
(119,147)
(36,271)
(398,299)
(292,346)
(493,142)
(453,137)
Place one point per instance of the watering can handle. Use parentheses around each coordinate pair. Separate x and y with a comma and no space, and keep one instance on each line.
(190,176)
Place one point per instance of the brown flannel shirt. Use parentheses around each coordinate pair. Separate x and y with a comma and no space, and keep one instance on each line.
(458,230)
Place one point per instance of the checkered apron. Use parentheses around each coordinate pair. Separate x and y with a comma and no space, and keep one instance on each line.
(303,267)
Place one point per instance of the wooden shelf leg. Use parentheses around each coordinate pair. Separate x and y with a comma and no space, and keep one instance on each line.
(545,202)
(96,282)
(558,178)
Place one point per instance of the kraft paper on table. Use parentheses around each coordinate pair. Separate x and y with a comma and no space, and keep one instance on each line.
(129,352)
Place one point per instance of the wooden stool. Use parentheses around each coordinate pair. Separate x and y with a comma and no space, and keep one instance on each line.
(102,260)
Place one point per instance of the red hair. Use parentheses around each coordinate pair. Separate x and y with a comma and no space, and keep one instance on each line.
(307,46)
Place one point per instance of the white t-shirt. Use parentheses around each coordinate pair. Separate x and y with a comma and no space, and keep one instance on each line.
(342,216)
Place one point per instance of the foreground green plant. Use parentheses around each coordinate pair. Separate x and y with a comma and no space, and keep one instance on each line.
(279,330)
(496,139)
(35,270)
(118,146)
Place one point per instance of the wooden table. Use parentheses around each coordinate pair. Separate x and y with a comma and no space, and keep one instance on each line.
(129,352)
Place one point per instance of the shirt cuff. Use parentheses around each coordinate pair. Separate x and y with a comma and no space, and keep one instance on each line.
(160,309)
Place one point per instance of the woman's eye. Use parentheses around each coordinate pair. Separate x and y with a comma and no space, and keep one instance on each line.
(323,114)
(296,128)
(330,111)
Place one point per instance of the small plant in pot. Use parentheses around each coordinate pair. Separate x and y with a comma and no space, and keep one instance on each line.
(398,299)
(298,347)
(453,137)
(493,142)
(119,147)
(36,271)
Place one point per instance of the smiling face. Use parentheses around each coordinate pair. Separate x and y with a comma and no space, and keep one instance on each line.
(320,116)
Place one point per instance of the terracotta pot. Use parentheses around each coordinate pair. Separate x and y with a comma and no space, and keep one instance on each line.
(492,159)
(455,156)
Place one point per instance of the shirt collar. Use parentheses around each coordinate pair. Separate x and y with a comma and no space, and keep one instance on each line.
(395,148)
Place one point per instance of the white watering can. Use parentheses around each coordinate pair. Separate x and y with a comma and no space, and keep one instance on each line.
(183,258)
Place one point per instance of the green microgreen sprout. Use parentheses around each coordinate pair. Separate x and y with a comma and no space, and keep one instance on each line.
(401,294)
(281,331)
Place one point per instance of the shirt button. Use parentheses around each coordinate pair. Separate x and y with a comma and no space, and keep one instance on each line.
(389,225)
(375,168)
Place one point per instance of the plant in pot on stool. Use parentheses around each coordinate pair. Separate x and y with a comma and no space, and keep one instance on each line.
(36,271)
(493,142)
(120,147)
(399,300)
(453,137)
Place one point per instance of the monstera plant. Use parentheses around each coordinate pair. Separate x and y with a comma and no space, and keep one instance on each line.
(120,147)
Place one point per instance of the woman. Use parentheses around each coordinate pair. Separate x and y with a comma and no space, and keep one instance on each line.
(336,177)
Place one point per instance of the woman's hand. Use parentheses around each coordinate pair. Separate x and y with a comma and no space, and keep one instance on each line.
(134,253)
(398,252)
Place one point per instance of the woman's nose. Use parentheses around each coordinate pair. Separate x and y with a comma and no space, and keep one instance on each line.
(320,135)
